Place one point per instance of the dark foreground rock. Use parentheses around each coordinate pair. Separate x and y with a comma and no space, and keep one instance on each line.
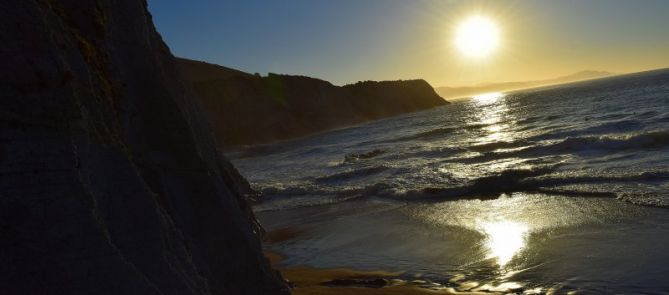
(110,181)
(250,109)
(357,282)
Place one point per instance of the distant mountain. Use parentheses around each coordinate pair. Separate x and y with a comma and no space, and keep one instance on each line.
(582,75)
(459,92)
(250,109)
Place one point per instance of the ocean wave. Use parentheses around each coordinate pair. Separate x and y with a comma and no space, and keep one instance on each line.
(640,177)
(437,132)
(571,145)
(278,204)
(368,155)
(489,185)
(433,152)
(485,187)
(535,119)
(530,120)
(351,174)
(296,190)
(498,145)
(537,181)
(476,126)
(629,125)
(430,134)
(613,116)
(646,140)
(269,193)
(532,180)
(648,199)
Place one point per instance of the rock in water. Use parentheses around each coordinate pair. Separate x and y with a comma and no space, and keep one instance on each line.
(110,179)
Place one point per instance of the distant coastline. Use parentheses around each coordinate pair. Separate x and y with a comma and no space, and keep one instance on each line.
(466,91)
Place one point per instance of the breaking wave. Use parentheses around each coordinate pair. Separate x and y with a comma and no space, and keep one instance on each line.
(537,180)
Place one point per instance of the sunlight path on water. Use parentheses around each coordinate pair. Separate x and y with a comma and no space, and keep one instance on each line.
(488,98)
(492,112)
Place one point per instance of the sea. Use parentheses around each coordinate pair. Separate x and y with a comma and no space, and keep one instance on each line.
(555,190)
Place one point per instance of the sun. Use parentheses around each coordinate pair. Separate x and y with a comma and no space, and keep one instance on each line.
(477,37)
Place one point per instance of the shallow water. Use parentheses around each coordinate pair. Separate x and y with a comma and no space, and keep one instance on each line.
(563,188)
(539,242)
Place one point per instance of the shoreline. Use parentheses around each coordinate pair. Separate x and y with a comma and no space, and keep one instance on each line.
(304,280)
(358,249)
(316,281)
(307,280)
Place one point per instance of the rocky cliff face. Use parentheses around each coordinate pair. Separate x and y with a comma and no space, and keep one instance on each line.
(110,181)
(249,109)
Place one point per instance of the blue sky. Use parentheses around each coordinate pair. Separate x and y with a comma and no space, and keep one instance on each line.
(349,40)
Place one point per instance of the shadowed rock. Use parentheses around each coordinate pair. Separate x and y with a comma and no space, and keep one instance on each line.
(358,282)
(111,182)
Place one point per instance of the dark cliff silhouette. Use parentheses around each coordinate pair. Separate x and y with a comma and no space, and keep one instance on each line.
(250,109)
(111,182)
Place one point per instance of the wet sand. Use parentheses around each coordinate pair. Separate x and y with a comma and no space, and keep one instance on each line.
(310,280)
(325,281)
(315,281)
(522,244)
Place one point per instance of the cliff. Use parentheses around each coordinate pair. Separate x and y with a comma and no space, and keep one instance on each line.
(111,182)
(250,109)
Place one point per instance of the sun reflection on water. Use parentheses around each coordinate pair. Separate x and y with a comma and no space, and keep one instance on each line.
(487,98)
(492,112)
(504,239)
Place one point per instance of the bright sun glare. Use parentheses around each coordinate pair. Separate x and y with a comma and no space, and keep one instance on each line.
(505,239)
(477,37)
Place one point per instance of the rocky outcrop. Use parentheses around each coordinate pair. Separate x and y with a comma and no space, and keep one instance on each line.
(250,109)
(110,181)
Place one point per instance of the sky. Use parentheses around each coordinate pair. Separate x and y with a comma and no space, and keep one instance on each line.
(345,41)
